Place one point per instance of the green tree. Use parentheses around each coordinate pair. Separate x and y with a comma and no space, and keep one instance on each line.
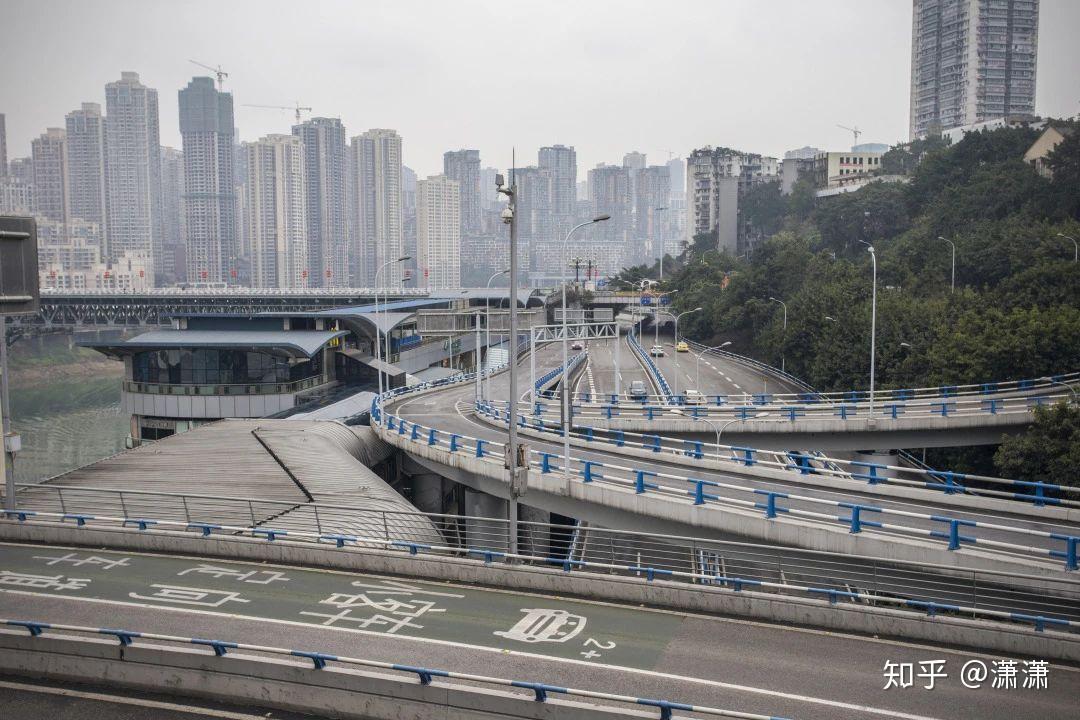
(1048,452)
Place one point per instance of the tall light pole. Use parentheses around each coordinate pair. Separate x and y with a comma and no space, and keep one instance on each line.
(509,216)
(378,315)
(873,323)
(1076,248)
(952,285)
(487,324)
(565,353)
(685,312)
(783,354)
(698,362)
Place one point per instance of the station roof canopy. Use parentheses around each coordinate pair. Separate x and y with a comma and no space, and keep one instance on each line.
(293,343)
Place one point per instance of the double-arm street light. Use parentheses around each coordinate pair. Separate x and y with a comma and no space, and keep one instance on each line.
(1076,248)
(873,322)
(685,312)
(378,315)
(697,363)
(565,353)
(722,428)
(952,286)
(782,352)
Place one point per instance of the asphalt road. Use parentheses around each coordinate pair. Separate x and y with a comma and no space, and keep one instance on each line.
(735,664)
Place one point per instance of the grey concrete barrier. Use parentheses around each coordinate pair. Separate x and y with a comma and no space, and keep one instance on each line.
(278,683)
(944,629)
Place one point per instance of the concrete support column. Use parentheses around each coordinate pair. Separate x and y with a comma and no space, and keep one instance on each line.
(428,493)
(878,457)
(479,533)
(534,540)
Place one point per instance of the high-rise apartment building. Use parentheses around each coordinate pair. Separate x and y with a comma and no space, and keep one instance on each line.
(971,61)
(715,178)
(325,163)
(207,128)
(609,193)
(652,217)
(561,162)
(132,169)
(86,165)
(375,213)
(51,175)
(537,241)
(174,257)
(464,167)
(438,233)
(489,196)
(3,146)
(276,213)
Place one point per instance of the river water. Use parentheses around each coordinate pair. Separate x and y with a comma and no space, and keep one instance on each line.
(67,419)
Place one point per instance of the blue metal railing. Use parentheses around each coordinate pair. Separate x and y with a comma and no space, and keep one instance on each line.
(424,675)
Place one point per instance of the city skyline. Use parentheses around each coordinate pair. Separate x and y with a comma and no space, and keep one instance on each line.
(873,96)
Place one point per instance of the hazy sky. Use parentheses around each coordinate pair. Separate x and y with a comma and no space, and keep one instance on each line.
(606,77)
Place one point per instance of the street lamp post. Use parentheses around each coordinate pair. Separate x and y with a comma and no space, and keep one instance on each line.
(783,354)
(378,315)
(722,428)
(697,370)
(873,323)
(1076,248)
(952,286)
(517,473)
(685,312)
(487,326)
(565,353)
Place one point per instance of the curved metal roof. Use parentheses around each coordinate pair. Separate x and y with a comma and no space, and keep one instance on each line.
(291,342)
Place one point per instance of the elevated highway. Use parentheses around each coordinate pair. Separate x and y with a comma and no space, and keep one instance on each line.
(619,486)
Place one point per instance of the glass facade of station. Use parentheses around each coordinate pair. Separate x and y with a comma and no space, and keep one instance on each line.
(219,366)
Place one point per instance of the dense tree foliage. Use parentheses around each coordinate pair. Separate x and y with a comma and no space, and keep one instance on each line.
(1015,311)
(1049,451)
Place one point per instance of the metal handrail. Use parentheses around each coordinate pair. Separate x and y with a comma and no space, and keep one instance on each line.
(711,581)
(425,675)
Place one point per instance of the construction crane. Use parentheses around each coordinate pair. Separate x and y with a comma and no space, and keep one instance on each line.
(853,130)
(221,74)
(296,107)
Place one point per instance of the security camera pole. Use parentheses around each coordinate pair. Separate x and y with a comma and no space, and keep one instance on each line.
(516,459)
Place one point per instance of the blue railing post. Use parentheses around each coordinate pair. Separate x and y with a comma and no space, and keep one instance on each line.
(844,410)
(588,434)
(431,438)
(748,455)
(953,535)
(770,502)
(802,462)
(951,487)
(454,442)
(480,448)
(587,471)
(1070,552)
(620,438)
(991,406)
(895,409)
(545,462)
(871,476)
(654,442)
(639,482)
(694,449)
(856,520)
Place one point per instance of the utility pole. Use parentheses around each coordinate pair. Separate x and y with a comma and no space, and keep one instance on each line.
(519,476)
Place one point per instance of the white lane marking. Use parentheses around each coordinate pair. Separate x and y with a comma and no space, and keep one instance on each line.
(519,653)
(736,386)
(124,700)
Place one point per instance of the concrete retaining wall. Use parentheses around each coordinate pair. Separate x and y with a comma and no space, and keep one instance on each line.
(271,682)
(1015,640)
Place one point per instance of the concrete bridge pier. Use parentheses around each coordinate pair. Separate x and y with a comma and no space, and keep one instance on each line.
(428,492)
(534,540)
(878,457)
(479,532)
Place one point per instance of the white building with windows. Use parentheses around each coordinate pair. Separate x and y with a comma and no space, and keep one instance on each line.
(276,213)
(375,207)
(438,233)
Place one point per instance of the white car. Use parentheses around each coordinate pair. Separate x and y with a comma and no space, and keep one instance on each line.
(693,397)
(657,351)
